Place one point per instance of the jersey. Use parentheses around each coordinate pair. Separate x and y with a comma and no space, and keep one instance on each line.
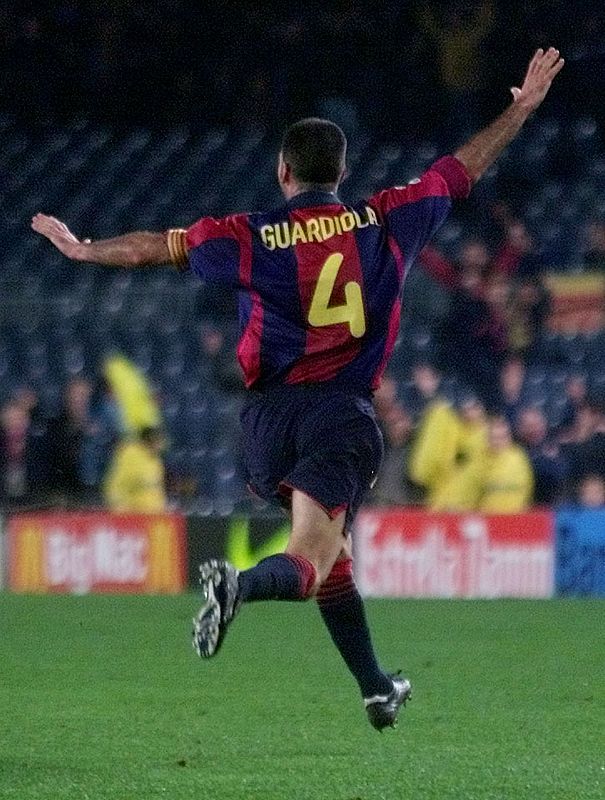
(320,282)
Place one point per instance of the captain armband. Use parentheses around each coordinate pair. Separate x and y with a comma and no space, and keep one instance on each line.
(177,247)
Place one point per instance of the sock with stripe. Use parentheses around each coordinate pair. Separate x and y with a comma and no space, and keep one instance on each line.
(343,613)
(279,577)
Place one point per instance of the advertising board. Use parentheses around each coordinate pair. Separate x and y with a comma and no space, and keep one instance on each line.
(96,552)
(414,553)
(580,557)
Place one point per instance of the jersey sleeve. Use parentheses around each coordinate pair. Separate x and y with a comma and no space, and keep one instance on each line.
(219,250)
(413,213)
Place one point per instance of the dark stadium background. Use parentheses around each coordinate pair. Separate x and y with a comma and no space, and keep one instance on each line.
(125,115)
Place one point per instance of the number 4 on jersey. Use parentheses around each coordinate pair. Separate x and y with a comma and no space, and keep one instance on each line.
(351,312)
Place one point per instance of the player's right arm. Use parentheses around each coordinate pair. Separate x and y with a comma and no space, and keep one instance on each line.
(137,249)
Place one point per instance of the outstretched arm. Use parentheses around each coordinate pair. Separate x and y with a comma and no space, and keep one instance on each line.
(483,149)
(138,249)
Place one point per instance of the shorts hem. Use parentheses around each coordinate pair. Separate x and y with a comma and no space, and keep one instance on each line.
(286,489)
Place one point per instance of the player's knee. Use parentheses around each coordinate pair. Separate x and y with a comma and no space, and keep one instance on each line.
(323,570)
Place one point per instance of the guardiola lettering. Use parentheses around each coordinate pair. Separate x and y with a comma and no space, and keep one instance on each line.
(316,229)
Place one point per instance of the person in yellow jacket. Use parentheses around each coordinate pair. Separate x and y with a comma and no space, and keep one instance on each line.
(506,480)
(459,489)
(435,449)
(135,480)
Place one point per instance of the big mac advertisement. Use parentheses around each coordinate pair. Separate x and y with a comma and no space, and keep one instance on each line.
(96,552)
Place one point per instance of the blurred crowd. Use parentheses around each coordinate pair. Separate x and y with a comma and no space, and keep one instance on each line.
(84,455)
(490,443)
(433,65)
(451,455)
(448,455)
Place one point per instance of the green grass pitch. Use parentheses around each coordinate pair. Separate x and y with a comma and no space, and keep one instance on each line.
(103,697)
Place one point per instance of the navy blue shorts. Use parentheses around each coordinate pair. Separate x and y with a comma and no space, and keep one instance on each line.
(319,440)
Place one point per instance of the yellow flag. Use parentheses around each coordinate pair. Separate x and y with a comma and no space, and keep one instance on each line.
(133,393)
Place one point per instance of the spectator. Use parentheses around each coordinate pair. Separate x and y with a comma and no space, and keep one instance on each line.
(65,444)
(576,394)
(393,487)
(37,451)
(386,401)
(220,356)
(591,492)
(14,424)
(473,429)
(526,313)
(594,257)
(506,480)
(517,257)
(133,393)
(529,302)
(136,480)
(458,30)
(103,431)
(549,466)
(435,449)
(584,445)
(426,383)
(512,382)
(458,489)
(474,336)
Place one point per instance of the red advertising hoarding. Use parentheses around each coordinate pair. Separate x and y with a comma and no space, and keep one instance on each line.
(96,552)
(414,553)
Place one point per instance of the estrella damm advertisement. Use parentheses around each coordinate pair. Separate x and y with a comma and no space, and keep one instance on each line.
(417,553)
(96,552)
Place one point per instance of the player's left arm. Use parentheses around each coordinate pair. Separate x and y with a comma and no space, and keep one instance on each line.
(482,150)
(131,250)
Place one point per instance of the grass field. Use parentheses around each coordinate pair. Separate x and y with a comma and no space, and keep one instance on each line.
(102,697)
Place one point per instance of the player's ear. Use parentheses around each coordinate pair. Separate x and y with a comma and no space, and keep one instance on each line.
(284,170)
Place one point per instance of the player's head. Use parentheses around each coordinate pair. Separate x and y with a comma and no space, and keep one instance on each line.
(312,154)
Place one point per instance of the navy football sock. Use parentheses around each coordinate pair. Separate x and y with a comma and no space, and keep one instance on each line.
(279,577)
(342,611)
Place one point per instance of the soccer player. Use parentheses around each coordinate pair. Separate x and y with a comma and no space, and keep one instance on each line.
(319,304)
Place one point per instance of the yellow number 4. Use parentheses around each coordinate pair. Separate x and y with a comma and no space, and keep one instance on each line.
(351,312)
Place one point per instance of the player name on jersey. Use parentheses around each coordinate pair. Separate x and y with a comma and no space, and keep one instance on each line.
(316,229)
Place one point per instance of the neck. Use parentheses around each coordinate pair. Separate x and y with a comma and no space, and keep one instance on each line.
(300,188)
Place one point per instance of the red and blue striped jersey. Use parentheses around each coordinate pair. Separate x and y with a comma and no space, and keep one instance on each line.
(320,282)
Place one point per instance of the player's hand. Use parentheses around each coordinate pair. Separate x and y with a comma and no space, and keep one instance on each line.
(541,72)
(60,235)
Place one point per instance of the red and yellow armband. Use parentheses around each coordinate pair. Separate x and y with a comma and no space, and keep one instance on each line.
(177,247)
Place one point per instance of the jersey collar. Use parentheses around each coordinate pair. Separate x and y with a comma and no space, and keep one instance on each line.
(314,197)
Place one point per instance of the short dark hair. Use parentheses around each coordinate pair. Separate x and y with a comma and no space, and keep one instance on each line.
(315,149)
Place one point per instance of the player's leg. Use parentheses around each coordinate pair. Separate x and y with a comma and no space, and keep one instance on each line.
(324,456)
(313,547)
(343,613)
(317,546)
